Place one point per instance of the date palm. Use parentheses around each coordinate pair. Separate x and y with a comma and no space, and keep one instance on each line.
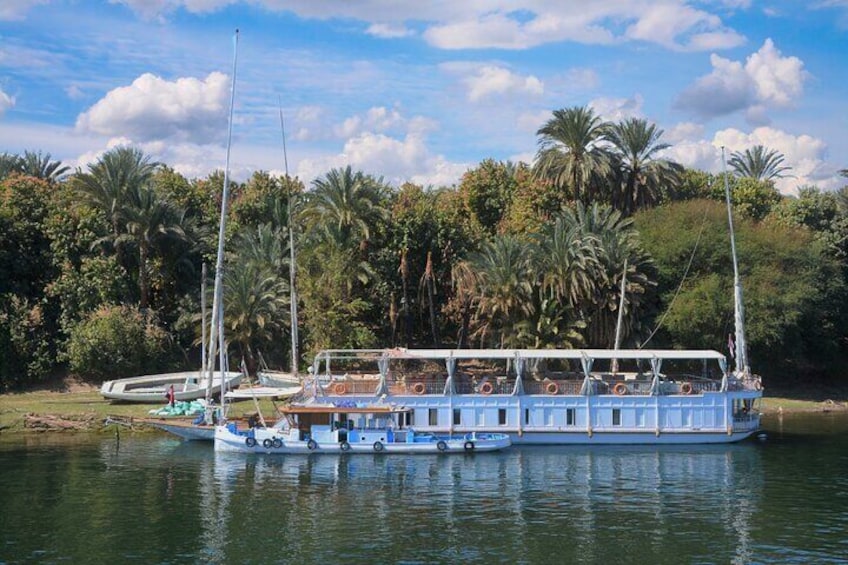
(40,166)
(571,153)
(568,261)
(758,163)
(507,281)
(345,204)
(9,163)
(615,239)
(643,176)
(110,182)
(255,300)
(149,220)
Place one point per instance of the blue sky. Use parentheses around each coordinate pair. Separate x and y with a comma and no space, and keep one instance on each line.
(420,91)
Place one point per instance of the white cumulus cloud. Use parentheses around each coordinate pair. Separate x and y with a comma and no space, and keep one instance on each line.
(766,80)
(617,109)
(151,108)
(805,154)
(490,80)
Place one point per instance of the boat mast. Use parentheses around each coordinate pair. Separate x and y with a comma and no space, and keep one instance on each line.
(217,301)
(620,320)
(293,261)
(203,330)
(738,308)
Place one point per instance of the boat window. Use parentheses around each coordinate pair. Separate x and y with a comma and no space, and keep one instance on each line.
(501,416)
(570,417)
(434,416)
(616,416)
(457,416)
(526,416)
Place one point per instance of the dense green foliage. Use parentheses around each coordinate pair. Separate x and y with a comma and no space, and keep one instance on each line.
(100,269)
(115,342)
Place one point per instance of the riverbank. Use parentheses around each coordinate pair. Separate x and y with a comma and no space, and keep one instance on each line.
(77,406)
(74,405)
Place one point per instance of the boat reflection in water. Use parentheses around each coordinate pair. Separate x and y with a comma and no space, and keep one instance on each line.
(532,503)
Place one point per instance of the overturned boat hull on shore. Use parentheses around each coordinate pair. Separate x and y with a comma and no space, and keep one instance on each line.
(188,385)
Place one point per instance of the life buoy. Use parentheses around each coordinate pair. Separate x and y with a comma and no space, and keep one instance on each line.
(418,388)
(442,446)
(378,446)
(250,442)
(620,389)
(468,446)
(267,443)
(311,445)
(344,446)
(686,388)
(552,388)
(486,388)
(277,443)
(339,388)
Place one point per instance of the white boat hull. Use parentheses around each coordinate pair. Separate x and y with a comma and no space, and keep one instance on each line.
(272,441)
(151,389)
(544,420)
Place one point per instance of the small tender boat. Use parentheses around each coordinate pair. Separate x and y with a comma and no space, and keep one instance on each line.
(188,385)
(349,429)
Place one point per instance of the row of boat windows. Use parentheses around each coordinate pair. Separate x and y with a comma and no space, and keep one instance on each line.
(547,416)
(565,417)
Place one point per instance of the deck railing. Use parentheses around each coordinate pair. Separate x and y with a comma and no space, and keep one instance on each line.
(433,384)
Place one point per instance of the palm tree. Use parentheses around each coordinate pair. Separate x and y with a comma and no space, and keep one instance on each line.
(147,221)
(615,240)
(758,163)
(346,205)
(40,166)
(254,300)
(506,277)
(571,153)
(643,176)
(9,163)
(568,260)
(109,183)
(465,283)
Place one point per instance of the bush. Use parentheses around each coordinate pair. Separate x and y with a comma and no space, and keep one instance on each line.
(115,342)
(26,356)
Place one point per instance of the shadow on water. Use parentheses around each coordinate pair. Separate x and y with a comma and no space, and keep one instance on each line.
(160,500)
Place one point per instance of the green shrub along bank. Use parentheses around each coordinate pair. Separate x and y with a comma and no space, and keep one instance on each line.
(115,342)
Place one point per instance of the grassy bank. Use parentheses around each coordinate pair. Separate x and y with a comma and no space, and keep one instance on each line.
(83,404)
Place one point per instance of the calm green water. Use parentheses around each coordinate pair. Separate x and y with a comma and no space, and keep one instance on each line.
(156,500)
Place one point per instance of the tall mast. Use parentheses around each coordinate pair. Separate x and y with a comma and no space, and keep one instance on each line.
(203,330)
(217,306)
(293,261)
(742,366)
(620,319)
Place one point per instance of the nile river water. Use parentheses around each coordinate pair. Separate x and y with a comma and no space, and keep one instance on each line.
(152,499)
